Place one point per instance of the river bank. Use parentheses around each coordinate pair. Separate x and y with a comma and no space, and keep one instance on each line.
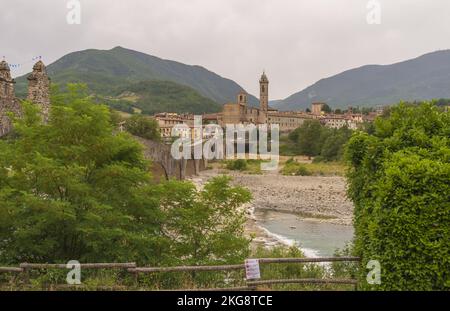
(314,199)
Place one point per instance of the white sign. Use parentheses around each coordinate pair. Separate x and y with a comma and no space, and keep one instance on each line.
(252,271)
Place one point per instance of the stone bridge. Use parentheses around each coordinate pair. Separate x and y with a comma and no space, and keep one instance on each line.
(165,165)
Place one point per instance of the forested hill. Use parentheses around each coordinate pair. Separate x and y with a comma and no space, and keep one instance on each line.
(106,70)
(423,78)
(149,97)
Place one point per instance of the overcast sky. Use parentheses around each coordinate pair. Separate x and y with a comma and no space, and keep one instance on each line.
(297,42)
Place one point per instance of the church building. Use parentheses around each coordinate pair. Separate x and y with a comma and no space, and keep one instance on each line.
(241,113)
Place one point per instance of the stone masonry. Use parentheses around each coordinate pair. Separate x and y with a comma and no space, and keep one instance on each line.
(39,89)
(8,101)
(38,93)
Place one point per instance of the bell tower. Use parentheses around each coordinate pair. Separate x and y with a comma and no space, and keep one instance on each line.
(264,92)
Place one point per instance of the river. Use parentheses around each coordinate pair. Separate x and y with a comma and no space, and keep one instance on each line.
(316,239)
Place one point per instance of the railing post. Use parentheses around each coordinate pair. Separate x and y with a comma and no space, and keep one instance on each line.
(25,273)
(135,274)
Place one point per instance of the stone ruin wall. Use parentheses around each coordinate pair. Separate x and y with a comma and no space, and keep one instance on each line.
(38,93)
(39,89)
(165,167)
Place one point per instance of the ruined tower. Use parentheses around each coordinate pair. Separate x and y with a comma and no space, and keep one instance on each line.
(264,93)
(39,88)
(8,101)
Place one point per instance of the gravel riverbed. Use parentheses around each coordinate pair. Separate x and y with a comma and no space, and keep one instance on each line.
(314,198)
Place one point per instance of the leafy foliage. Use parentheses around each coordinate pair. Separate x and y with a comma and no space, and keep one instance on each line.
(399,182)
(294,168)
(237,165)
(314,139)
(76,189)
(207,226)
(143,126)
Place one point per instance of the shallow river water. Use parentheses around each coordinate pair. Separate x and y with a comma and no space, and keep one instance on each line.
(316,239)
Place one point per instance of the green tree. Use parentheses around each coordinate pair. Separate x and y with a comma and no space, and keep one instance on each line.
(333,145)
(76,189)
(399,182)
(316,140)
(326,108)
(206,226)
(308,138)
(71,189)
(143,126)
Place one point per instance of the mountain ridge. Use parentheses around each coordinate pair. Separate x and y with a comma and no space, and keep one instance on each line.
(422,78)
(103,70)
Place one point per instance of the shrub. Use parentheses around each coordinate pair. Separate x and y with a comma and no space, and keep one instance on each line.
(399,182)
(237,165)
(292,168)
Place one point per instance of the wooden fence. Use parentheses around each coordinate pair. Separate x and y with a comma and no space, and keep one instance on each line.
(24,269)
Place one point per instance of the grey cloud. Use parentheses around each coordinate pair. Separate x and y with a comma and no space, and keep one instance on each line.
(296,42)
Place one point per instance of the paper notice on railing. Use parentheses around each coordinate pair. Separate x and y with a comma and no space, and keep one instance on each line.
(252,271)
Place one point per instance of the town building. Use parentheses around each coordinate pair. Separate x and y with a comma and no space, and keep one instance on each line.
(338,121)
(241,113)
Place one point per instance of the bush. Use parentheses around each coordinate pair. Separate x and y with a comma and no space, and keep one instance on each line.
(292,168)
(319,159)
(399,182)
(237,165)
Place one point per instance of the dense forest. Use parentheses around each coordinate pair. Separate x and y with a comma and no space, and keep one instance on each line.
(150,97)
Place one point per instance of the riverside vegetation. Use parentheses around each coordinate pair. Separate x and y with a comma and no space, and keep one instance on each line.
(325,146)
(399,181)
(77,189)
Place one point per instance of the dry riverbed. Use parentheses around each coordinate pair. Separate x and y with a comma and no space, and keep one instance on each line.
(315,198)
